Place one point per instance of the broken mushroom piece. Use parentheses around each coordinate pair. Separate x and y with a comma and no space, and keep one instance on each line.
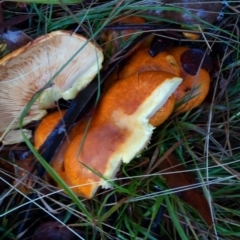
(141,61)
(44,129)
(69,60)
(194,87)
(119,130)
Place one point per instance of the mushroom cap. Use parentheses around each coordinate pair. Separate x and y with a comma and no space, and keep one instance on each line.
(27,70)
(141,61)
(194,88)
(119,130)
(44,129)
(46,126)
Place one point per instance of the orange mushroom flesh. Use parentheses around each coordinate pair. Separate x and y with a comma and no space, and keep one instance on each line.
(45,128)
(119,130)
(164,112)
(141,61)
(42,132)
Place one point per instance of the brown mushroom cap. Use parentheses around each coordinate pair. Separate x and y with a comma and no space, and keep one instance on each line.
(27,70)
(119,130)
(195,87)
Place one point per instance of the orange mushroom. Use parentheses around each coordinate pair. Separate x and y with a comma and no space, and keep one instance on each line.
(195,87)
(45,128)
(119,130)
(124,120)
(141,61)
(164,112)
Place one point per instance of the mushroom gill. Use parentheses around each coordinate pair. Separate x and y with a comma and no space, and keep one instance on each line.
(58,65)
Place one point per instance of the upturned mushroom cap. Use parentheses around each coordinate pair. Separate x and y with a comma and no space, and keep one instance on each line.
(27,70)
(194,87)
(119,130)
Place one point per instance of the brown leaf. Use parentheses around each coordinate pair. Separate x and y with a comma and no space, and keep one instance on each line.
(193,197)
(53,230)
(194,58)
(15,20)
(159,44)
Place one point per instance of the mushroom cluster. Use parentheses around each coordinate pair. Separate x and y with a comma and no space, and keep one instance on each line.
(141,99)
(57,65)
(195,84)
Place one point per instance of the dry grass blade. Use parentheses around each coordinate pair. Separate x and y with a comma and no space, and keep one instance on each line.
(178,179)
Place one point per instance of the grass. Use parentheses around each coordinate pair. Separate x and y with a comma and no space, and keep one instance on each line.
(141,205)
